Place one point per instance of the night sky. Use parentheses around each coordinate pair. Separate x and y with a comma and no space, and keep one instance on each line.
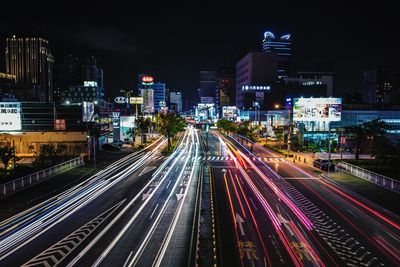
(172,42)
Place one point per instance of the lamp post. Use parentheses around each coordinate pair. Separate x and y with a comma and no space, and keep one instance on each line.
(329,147)
(342,141)
(289,131)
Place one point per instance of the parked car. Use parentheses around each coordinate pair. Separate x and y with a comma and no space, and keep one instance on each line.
(110,147)
(118,143)
(322,164)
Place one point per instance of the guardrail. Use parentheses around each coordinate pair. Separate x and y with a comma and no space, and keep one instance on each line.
(38,177)
(376,178)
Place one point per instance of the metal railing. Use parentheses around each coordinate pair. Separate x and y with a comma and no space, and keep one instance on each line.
(376,178)
(38,177)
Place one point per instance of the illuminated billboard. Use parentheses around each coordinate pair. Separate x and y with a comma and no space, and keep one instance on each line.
(87,111)
(317,109)
(229,112)
(10,116)
(148,100)
(136,100)
(147,80)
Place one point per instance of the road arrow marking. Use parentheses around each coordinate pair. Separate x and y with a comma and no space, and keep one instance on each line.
(239,221)
(146,170)
(180,195)
(146,195)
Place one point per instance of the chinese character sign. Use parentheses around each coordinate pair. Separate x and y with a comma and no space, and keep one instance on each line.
(10,116)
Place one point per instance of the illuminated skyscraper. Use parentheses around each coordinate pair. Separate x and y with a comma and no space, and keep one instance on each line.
(282,46)
(31,61)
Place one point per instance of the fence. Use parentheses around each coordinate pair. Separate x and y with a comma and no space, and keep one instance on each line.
(373,177)
(38,177)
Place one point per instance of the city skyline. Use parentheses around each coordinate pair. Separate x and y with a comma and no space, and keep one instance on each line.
(158,43)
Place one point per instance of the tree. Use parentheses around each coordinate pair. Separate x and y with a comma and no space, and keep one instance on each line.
(279,137)
(246,129)
(6,154)
(169,124)
(142,125)
(371,129)
(132,133)
(46,156)
(382,148)
(226,125)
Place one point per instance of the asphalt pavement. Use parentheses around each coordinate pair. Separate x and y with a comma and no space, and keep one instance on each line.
(360,232)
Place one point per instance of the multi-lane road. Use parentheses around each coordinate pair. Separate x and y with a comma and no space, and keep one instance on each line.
(271,212)
(136,212)
(145,210)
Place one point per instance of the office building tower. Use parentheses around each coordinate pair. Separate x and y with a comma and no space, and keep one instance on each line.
(208,84)
(227,88)
(282,46)
(176,100)
(255,73)
(159,96)
(31,61)
(304,79)
(91,72)
(67,74)
(89,91)
(377,85)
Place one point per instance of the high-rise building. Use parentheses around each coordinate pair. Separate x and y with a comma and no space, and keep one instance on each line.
(31,61)
(227,88)
(72,73)
(208,83)
(315,79)
(88,91)
(377,85)
(176,100)
(159,96)
(67,74)
(255,73)
(282,46)
(91,72)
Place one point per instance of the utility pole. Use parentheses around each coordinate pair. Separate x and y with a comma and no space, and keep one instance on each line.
(329,146)
(341,145)
(94,151)
(289,131)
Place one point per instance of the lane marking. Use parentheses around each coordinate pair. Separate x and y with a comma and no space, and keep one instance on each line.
(127,260)
(168,184)
(153,211)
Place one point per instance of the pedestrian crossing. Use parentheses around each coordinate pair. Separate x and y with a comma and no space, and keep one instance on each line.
(228,158)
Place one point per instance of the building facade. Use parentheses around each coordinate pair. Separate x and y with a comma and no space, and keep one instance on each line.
(208,83)
(326,79)
(31,61)
(377,86)
(159,96)
(282,46)
(89,92)
(175,99)
(227,88)
(255,72)
(8,84)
